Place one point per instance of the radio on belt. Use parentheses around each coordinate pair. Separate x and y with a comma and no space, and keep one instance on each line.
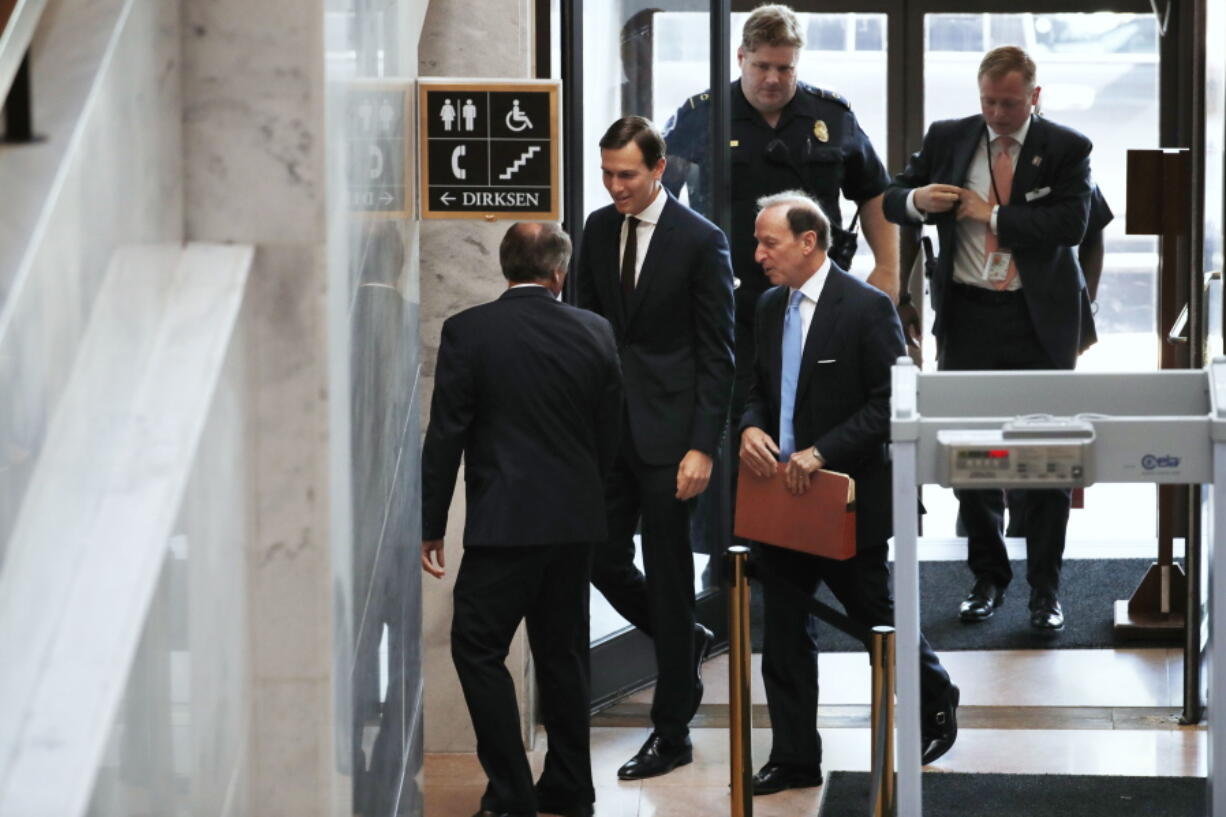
(1029,452)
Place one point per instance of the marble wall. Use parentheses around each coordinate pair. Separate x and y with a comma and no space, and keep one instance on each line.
(459,268)
(253,116)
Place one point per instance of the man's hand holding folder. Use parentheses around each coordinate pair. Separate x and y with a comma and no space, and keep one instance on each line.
(796,504)
(760,454)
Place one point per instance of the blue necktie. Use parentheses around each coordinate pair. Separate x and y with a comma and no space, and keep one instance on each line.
(793,346)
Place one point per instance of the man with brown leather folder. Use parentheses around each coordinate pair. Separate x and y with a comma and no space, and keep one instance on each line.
(821,399)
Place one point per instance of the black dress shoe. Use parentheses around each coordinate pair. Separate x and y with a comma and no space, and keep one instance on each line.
(941,730)
(702,646)
(982,601)
(775,777)
(1045,611)
(658,756)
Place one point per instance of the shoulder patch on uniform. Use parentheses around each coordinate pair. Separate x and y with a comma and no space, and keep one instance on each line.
(822,93)
(699,99)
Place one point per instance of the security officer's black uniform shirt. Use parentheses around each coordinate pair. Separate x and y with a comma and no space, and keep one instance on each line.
(818,146)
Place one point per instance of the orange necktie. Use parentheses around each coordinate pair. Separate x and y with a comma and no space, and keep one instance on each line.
(1002,174)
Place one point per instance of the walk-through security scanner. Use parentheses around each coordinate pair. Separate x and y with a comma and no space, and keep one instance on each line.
(1054,430)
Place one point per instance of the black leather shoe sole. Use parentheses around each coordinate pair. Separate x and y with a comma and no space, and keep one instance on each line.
(934,747)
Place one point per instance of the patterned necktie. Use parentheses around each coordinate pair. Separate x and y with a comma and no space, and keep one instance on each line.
(793,346)
(629,257)
(1002,173)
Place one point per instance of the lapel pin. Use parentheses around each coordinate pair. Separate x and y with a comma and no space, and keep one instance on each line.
(1036,161)
(821,131)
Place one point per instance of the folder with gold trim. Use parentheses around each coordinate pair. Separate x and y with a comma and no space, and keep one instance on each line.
(822,521)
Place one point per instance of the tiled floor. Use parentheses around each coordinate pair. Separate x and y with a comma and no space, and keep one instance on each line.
(1060,684)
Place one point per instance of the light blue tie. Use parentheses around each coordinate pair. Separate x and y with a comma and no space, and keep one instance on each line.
(793,346)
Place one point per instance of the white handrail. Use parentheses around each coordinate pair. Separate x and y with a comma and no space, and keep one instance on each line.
(15,40)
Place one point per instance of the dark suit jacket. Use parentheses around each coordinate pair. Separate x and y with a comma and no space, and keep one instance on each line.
(843,392)
(1042,233)
(675,339)
(528,389)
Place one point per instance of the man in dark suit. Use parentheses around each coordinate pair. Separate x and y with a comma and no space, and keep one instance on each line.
(661,274)
(1009,193)
(821,399)
(528,390)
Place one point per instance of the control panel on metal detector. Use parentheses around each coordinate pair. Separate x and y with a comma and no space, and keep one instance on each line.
(1041,452)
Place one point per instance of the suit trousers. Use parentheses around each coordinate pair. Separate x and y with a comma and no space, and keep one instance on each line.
(790,648)
(546,585)
(987,330)
(660,603)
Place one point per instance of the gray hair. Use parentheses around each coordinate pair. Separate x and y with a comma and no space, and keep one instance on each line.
(803,214)
(530,252)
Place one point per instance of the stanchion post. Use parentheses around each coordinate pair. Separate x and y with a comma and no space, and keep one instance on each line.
(740,717)
(881,655)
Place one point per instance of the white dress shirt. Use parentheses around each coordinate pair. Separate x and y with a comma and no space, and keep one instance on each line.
(810,291)
(648,219)
(969,259)
(557,297)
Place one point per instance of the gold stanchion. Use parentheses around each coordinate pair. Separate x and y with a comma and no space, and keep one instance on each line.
(740,731)
(881,654)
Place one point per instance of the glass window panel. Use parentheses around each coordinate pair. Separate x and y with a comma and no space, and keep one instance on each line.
(1008,29)
(954,32)
(870,32)
(826,32)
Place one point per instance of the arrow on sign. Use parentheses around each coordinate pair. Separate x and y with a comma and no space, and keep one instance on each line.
(386,198)
(446,199)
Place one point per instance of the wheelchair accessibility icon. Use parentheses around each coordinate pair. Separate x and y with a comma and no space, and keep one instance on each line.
(516,119)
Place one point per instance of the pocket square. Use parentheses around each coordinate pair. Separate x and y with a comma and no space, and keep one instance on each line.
(831,360)
(1038,193)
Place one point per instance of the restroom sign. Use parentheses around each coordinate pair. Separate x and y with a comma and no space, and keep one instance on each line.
(489,149)
(378,158)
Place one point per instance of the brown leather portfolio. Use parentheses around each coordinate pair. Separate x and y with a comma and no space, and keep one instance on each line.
(822,521)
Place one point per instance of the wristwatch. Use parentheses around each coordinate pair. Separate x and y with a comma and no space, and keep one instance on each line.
(817,455)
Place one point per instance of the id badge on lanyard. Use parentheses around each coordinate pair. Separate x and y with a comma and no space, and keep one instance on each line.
(996,264)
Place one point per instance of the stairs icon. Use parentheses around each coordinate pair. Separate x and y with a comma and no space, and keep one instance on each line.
(520,162)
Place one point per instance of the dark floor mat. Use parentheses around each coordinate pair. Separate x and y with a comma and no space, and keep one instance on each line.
(1089,588)
(1030,795)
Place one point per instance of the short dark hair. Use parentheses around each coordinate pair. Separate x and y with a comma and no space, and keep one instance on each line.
(641,131)
(530,252)
(803,214)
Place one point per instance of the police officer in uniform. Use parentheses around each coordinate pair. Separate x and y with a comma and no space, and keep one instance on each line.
(786,135)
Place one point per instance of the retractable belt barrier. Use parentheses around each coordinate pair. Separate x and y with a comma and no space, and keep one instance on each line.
(879,641)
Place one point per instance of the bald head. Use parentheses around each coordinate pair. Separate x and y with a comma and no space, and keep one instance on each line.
(533,252)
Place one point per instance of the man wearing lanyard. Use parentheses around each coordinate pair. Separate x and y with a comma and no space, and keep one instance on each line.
(1009,194)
